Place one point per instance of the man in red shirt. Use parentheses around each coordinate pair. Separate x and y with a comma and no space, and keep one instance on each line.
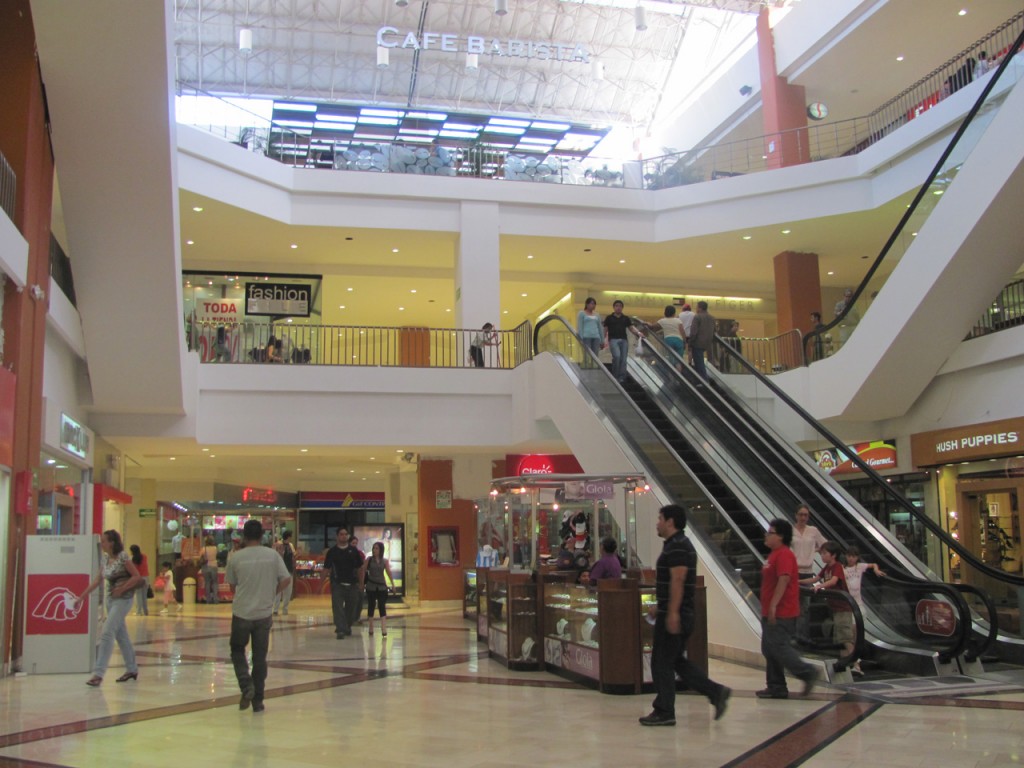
(780,609)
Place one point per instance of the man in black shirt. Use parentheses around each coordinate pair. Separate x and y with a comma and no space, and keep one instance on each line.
(675,588)
(342,565)
(615,326)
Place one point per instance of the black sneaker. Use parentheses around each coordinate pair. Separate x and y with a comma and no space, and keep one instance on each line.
(247,696)
(257,706)
(721,701)
(772,693)
(657,718)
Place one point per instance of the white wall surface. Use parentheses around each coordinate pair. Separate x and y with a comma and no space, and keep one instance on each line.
(13,252)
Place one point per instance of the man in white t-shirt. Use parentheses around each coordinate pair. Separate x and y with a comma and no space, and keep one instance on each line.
(806,541)
(258,575)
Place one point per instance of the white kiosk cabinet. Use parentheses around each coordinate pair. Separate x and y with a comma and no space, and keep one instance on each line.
(60,637)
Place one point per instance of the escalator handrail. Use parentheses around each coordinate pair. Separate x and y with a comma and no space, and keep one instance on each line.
(722,513)
(973,651)
(872,475)
(912,208)
(955,596)
(858,618)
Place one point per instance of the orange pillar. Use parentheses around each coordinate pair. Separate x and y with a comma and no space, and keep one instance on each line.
(443,582)
(797,294)
(25,143)
(783,106)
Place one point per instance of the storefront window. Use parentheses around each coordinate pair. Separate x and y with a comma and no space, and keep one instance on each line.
(60,488)
(906,528)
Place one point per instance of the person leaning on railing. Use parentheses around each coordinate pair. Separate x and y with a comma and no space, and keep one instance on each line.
(483,338)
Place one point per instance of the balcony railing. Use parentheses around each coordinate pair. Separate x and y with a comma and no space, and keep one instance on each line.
(411,347)
(1007,311)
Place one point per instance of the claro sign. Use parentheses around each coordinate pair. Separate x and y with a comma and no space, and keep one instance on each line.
(993,439)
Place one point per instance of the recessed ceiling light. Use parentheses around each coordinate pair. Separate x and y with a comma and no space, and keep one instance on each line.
(401,309)
(505,312)
(523,295)
(622,261)
(51,461)
(298,469)
(831,273)
(747,237)
(529,255)
(913,234)
(295,245)
(394,250)
(341,306)
(350,289)
(412,291)
(448,310)
(190,242)
(303,450)
(174,458)
(377,471)
(786,231)
(400,450)
(206,450)
(707,266)
(962,12)
(197,208)
(213,456)
(938,191)
(899,58)
(351,471)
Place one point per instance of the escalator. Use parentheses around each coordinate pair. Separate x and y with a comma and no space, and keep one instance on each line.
(733,484)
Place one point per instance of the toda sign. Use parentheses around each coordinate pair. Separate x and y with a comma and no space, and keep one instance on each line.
(390,37)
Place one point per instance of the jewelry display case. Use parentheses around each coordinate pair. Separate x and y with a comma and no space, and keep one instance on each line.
(469,606)
(512,634)
(481,604)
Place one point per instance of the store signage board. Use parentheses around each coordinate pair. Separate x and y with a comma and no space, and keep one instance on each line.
(589,489)
(877,454)
(273,299)
(74,438)
(59,632)
(219,311)
(990,440)
(391,37)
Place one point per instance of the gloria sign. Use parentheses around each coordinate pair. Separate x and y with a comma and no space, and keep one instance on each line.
(277,299)
(390,37)
(74,438)
(878,454)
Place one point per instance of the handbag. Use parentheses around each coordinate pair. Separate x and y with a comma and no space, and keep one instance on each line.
(149,592)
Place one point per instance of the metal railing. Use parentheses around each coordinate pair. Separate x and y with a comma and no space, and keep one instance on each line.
(1007,311)
(844,137)
(773,354)
(8,187)
(410,347)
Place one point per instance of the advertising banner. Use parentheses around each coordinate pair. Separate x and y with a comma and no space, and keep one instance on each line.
(935,617)
(878,454)
(60,634)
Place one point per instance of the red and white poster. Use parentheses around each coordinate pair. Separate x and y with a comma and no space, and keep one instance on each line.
(51,607)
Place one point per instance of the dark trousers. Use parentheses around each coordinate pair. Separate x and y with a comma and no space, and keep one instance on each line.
(668,659)
(344,604)
(780,656)
(699,365)
(242,631)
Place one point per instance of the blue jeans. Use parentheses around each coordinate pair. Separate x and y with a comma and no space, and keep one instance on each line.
(344,606)
(698,362)
(210,582)
(668,659)
(594,345)
(242,631)
(780,656)
(114,629)
(620,352)
(142,597)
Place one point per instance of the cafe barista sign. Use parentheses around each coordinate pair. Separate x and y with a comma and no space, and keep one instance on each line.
(391,37)
(990,440)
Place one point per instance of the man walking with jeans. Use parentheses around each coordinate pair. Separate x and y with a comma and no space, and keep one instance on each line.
(780,608)
(675,588)
(258,575)
(342,563)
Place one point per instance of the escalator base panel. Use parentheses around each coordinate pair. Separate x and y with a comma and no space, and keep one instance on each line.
(902,689)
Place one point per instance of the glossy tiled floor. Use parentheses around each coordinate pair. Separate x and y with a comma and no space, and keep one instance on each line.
(427,695)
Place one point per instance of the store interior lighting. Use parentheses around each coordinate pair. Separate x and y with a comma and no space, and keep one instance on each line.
(501,7)
(245,40)
(640,15)
(383,57)
(472,61)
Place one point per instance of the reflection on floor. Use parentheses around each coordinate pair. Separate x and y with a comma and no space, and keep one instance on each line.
(427,695)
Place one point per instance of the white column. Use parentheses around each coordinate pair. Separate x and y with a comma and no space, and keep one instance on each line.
(477,273)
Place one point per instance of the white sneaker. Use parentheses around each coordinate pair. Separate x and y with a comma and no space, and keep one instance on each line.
(163,612)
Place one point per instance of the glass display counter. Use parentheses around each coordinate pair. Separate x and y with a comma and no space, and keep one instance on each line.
(469,606)
(481,604)
(512,631)
(309,576)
